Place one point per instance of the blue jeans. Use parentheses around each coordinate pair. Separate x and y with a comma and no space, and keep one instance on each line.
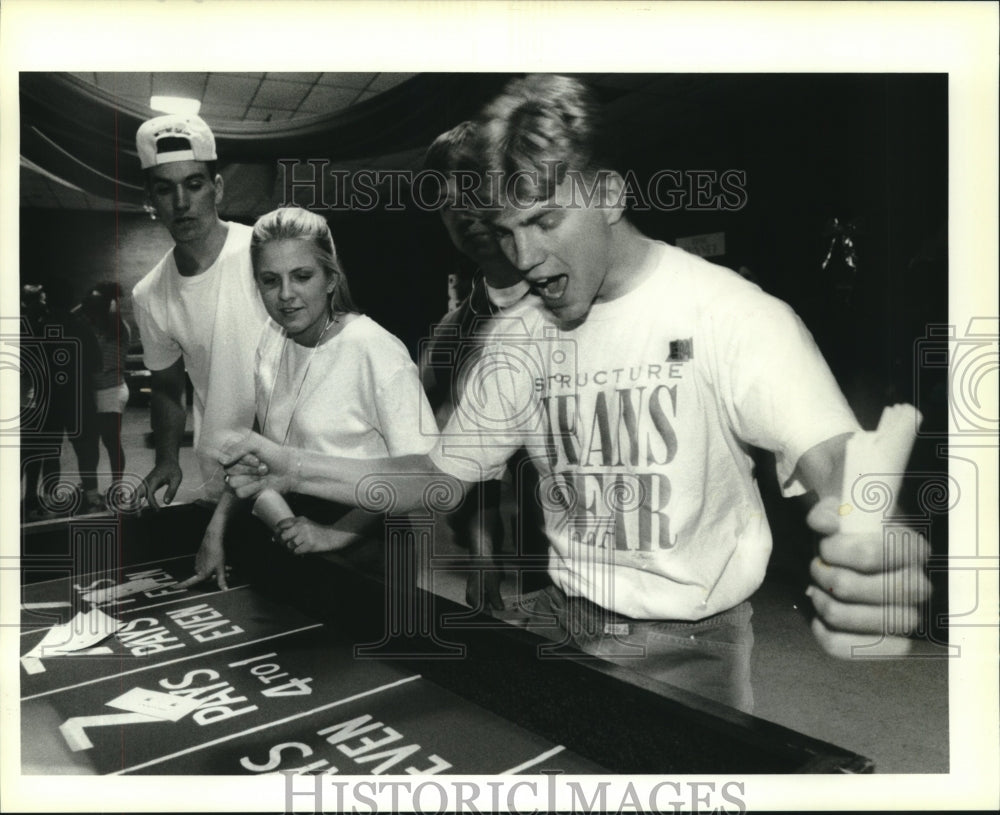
(709,657)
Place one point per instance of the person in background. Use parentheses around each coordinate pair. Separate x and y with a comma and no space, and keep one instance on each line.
(498,293)
(64,358)
(101,307)
(34,311)
(198,311)
(653,372)
(326,378)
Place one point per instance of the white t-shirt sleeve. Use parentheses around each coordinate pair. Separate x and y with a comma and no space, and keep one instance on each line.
(159,349)
(400,404)
(781,393)
(495,416)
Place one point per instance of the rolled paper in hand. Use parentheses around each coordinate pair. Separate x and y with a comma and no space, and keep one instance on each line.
(271,508)
(881,453)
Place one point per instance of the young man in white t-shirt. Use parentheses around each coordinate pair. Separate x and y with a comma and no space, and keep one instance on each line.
(198,310)
(639,390)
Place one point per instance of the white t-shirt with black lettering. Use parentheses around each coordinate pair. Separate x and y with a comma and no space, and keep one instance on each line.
(639,421)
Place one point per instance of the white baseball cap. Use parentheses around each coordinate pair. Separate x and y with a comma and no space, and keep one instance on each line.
(174,137)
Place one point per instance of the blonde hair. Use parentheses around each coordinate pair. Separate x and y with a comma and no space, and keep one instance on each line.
(539,128)
(296,223)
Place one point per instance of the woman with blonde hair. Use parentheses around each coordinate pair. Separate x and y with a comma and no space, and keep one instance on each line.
(327,378)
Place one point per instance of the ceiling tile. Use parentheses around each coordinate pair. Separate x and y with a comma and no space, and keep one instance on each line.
(293,76)
(262,114)
(323,99)
(190,85)
(343,79)
(229,97)
(283,95)
(124,83)
(383,82)
(216,113)
(230,89)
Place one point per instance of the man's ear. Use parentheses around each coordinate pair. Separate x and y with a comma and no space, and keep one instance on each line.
(613,194)
(217,182)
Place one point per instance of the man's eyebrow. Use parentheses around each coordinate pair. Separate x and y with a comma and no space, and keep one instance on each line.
(296,270)
(159,179)
(546,207)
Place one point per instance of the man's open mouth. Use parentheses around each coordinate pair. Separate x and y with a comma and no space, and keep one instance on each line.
(550,288)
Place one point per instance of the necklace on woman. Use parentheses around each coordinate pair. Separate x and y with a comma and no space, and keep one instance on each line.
(330,320)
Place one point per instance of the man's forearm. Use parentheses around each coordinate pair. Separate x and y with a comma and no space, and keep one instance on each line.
(381,485)
(168,418)
(357,525)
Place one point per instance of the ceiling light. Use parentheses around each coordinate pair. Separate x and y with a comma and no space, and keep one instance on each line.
(174,104)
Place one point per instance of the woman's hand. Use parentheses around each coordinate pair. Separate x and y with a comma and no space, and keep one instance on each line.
(301,536)
(210,560)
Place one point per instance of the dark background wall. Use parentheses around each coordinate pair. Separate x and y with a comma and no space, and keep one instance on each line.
(74,250)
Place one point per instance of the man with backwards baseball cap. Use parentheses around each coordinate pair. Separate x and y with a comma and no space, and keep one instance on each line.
(198,310)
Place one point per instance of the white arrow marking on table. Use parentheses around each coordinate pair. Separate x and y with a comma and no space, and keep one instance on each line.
(33,664)
(76,738)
